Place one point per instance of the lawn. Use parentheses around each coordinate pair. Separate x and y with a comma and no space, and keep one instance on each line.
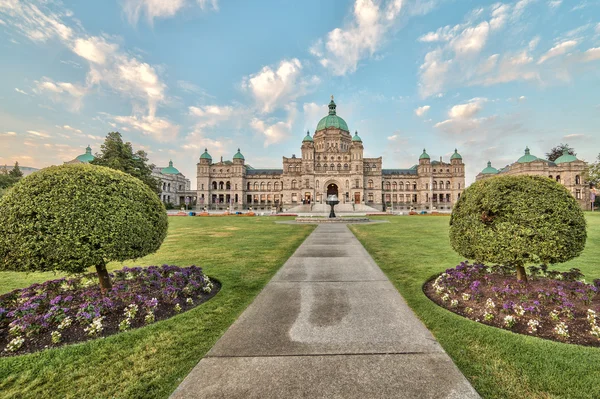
(498,363)
(242,253)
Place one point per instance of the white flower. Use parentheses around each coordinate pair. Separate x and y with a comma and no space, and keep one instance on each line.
(189,301)
(591,316)
(554,315)
(95,327)
(125,324)
(131,311)
(533,325)
(15,344)
(454,303)
(445,297)
(149,318)
(509,321)
(488,316)
(177,308)
(466,296)
(518,309)
(489,304)
(56,337)
(562,329)
(595,331)
(65,323)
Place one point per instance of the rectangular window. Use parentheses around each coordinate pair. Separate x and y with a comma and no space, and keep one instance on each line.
(294,197)
(578,194)
(370,197)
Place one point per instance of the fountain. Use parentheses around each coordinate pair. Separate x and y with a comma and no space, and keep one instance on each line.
(332,201)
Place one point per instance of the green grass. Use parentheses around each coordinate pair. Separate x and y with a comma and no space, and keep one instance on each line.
(242,253)
(498,363)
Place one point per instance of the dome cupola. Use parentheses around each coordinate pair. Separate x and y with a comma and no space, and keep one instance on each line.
(527,157)
(307,138)
(456,155)
(332,120)
(206,155)
(489,170)
(565,158)
(87,157)
(169,170)
(424,155)
(356,137)
(238,155)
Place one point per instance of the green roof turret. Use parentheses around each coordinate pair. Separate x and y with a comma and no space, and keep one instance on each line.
(206,155)
(238,155)
(332,120)
(169,170)
(356,137)
(307,138)
(87,157)
(456,155)
(527,157)
(565,158)
(424,155)
(490,170)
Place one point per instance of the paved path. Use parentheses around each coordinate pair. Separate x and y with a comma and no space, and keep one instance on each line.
(328,325)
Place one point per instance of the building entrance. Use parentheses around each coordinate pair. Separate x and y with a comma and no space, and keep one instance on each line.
(332,189)
(357,198)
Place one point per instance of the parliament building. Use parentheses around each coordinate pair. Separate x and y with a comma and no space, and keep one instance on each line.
(331,162)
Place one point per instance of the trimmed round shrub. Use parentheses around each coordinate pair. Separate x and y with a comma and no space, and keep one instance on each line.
(72,217)
(518,220)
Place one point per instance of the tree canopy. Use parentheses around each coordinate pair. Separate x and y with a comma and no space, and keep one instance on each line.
(558,151)
(119,155)
(9,177)
(72,217)
(516,221)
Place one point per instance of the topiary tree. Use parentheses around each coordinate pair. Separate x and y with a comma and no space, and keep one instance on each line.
(72,217)
(518,220)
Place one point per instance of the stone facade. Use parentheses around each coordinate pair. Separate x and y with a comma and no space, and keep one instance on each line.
(331,162)
(567,170)
(175,187)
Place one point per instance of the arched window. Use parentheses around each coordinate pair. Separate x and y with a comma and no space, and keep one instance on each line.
(357,183)
(339,166)
(551,177)
(276,186)
(374,167)
(262,186)
(407,187)
(558,178)
(214,185)
(318,167)
(220,185)
(256,186)
(269,186)
(388,186)
(294,183)
(332,167)
(447,185)
(370,184)
(169,187)
(367,168)
(434,185)
(317,184)
(228,185)
(577,180)
(394,186)
(345,166)
(249,186)
(290,168)
(402,187)
(441,185)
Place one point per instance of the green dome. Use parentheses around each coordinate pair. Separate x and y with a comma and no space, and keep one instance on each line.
(456,155)
(206,155)
(565,158)
(489,170)
(307,138)
(424,155)
(87,157)
(332,120)
(238,155)
(356,137)
(527,157)
(169,170)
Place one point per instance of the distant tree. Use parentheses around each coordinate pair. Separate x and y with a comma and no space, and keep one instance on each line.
(116,154)
(593,172)
(516,221)
(558,151)
(16,171)
(73,217)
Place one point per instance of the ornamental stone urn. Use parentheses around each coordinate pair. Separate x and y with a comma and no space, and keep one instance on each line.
(332,201)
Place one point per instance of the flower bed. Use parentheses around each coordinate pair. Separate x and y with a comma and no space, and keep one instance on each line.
(559,306)
(65,311)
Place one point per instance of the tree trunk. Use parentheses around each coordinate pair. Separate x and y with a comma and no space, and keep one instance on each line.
(104,278)
(521,275)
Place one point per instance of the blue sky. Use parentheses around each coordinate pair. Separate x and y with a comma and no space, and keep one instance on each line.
(176,76)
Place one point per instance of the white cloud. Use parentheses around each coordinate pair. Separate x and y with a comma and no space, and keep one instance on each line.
(443,34)
(69,128)
(462,117)
(575,136)
(38,134)
(533,43)
(34,23)
(94,49)
(160,8)
(393,138)
(275,132)
(273,88)
(433,73)
(211,115)
(499,16)
(8,134)
(558,50)
(67,92)
(520,7)
(522,98)
(159,128)
(312,114)
(592,54)
(598,28)
(554,3)
(471,40)
(421,111)
(360,38)
(21,91)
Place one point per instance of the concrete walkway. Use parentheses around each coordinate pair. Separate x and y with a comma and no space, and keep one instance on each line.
(328,325)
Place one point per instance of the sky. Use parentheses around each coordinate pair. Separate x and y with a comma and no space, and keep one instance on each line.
(178,76)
